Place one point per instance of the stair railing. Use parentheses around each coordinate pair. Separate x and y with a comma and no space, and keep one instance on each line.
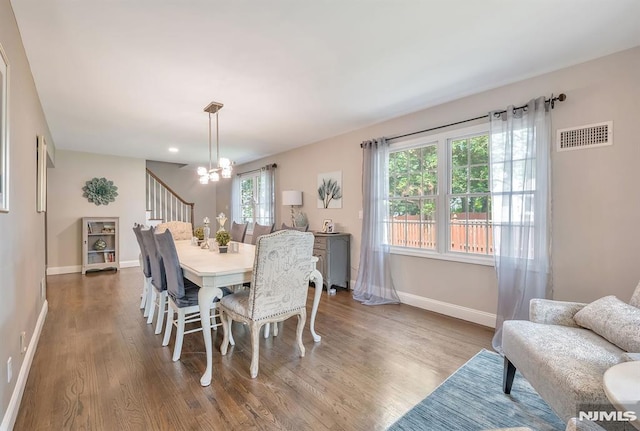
(164,203)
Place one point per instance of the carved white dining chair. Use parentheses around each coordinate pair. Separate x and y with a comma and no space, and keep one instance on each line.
(180,230)
(146,270)
(158,297)
(279,286)
(304,228)
(183,297)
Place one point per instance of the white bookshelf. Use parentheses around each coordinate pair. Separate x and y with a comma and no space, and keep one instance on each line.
(95,231)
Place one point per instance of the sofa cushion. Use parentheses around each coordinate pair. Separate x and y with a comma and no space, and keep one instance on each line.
(614,320)
(565,365)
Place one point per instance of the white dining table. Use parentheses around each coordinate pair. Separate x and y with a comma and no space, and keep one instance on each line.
(212,270)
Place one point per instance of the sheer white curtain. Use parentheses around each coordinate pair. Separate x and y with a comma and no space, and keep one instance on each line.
(236,206)
(267,195)
(521,208)
(374,285)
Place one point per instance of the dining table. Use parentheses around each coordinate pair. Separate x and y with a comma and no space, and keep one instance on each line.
(212,270)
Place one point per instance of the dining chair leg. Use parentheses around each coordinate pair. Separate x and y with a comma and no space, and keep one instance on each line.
(168,326)
(255,348)
(226,330)
(177,349)
(267,327)
(231,340)
(161,310)
(143,296)
(152,305)
(275,329)
(147,301)
(214,318)
(218,312)
(302,317)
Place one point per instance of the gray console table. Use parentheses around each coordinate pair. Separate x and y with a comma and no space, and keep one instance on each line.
(334,258)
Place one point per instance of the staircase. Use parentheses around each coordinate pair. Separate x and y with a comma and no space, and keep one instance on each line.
(163,204)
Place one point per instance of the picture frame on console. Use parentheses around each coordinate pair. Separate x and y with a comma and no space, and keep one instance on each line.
(326,223)
(4,131)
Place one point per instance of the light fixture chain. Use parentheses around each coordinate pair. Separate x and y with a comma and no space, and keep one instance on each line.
(210,140)
(217,141)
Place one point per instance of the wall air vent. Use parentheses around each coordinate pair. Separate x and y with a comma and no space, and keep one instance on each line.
(589,136)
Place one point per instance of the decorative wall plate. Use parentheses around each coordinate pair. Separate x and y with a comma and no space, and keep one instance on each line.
(100,191)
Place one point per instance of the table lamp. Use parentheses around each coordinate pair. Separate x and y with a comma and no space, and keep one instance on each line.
(292,198)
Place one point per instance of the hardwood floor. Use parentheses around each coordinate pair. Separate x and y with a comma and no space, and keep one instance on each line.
(99,366)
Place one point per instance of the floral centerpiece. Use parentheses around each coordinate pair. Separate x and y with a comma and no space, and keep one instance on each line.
(199,233)
(223,238)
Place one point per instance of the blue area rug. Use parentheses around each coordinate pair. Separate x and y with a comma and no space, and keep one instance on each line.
(471,399)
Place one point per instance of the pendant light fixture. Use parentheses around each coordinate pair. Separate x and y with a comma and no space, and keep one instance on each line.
(223,165)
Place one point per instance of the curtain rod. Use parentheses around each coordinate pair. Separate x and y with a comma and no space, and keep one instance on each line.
(561,98)
(269,166)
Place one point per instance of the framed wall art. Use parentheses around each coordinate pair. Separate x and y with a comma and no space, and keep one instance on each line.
(329,191)
(4,131)
(41,181)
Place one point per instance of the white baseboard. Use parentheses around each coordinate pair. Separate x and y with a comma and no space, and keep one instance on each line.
(453,310)
(11,414)
(56,270)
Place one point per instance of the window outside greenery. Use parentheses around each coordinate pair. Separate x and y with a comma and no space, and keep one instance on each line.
(252,206)
(469,198)
(418,205)
(247,208)
(413,189)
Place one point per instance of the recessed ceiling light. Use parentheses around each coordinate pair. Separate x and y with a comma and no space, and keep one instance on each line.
(173,150)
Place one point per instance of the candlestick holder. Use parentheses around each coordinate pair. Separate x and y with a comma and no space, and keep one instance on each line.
(222,219)
(207,232)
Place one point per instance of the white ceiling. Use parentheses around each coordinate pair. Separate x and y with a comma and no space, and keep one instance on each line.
(131,78)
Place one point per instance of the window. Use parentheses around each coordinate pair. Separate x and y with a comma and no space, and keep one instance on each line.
(253,197)
(439,198)
(469,197)
(253,205)
(413,190)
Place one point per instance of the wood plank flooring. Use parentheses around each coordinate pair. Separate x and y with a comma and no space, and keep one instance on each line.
(99,366)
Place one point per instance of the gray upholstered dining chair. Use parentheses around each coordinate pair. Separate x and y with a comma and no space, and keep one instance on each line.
(158,297)
(238,231)
(279,286)
(259,230)
(183,296)
(146,270)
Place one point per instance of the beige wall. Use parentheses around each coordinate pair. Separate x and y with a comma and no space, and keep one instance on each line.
(596,241)
(185,182)
(67,206)
(22,251)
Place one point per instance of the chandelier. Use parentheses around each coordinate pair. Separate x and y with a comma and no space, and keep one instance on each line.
(223,165)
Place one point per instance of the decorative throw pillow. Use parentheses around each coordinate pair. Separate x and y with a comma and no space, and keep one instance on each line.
(635,299)
(614,320)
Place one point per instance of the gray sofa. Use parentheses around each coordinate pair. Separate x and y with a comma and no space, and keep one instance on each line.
(562,359)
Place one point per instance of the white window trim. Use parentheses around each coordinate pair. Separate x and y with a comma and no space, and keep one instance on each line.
(442,208)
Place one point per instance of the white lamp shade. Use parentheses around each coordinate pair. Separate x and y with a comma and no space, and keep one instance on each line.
(291,197)
(224,162)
